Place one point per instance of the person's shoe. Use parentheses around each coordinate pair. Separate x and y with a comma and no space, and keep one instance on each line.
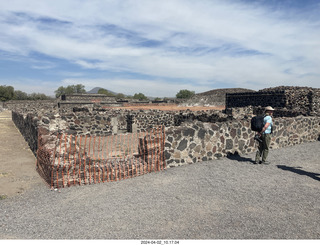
(265,163)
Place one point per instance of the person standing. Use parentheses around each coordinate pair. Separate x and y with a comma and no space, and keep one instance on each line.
(265,136)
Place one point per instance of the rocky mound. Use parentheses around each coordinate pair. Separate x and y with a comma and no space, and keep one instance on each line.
(215,97)
(286,88)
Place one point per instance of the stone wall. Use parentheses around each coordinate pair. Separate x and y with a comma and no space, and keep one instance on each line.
(30,105)
(88,97)
(95,122)
(195,142)
(28,126)
(99,121)
(87,104)
(242,112)
(268,98)
(304,100)
(315,102)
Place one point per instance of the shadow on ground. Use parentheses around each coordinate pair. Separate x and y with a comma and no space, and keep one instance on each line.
(236,157)
(299,171)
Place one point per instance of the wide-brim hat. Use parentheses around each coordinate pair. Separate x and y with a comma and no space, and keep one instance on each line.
(269,108)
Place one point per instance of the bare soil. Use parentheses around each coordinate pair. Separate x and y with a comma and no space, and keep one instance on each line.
(18,164)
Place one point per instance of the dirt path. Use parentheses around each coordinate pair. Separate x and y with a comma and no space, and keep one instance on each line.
(17,162)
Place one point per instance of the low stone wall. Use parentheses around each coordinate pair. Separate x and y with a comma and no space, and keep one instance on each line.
(76,104)
(88,97)
(195,142)
(143,120)
(30,105)
(95,122)
(101,121)
(28,126)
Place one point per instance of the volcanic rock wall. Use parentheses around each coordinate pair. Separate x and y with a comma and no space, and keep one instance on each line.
(304,100)
(99,121)
(30,105)
(272,98)
(198,141)
(88,97)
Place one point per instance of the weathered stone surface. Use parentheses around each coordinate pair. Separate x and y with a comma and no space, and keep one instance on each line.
(192,145)
(229,144)
(189,132)
(182,145)
(201,133)
(45,120)
(233,132)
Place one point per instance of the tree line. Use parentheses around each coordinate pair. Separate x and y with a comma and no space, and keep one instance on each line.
(9,93)
(79,88)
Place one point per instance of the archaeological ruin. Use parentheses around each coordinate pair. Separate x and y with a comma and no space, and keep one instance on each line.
(83,139)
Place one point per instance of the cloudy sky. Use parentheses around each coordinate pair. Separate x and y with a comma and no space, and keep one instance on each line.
(159,47)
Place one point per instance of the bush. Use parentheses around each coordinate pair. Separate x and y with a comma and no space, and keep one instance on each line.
(185,94)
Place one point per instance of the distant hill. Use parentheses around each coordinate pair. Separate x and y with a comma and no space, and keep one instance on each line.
(96,89)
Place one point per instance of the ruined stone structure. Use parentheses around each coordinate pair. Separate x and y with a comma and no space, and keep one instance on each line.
(216,97)
(304,100)
(88,100)
(88,97)
(30,105)
(189,136)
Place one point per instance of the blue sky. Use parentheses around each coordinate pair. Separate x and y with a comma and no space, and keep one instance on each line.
(159,47)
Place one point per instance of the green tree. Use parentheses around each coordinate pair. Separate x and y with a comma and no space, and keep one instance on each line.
(105,91)
(60,91)
(79,88)
(120,96)
(19,95)
(140,96)
(71,89)
(185,94)
(6,93)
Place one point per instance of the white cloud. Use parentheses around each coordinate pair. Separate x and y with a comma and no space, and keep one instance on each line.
(211,41)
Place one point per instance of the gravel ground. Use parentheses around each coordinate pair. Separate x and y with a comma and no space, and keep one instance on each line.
(229,198)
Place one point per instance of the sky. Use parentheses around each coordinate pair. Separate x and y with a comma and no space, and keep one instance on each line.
(159,47)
